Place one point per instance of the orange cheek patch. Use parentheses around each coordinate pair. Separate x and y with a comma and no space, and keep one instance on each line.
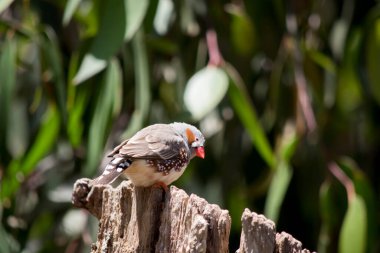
(190,136)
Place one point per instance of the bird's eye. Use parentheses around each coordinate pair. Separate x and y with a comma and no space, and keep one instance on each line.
(196,139)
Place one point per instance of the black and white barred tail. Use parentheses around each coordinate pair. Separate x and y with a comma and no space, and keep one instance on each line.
(113,170)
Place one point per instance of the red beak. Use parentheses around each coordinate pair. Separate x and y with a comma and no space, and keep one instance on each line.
(200,152)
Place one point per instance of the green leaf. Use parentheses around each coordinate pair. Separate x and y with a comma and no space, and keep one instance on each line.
(142,95)
(102,117)
(75,124)
(41,225)
(242,24)
(4,4)
(135,124)
(142,74)
(45,140)
(7,242)
(77,100)
(7,86)
(322,60)
(54,63)
(108,40)
(283,173)
(136,11)
(205,90)
(373,59)
(187,19)
(326,205)
(163,16)
(277,190)
(71,88)
(289,142)
(338,36)
(364,189)
(237,201)
(70,8)
(89,15)
(247,114)
(353,235)
(10,182)
(349,96)
(18,134)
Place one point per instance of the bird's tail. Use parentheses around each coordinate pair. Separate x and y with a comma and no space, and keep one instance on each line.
(112,171)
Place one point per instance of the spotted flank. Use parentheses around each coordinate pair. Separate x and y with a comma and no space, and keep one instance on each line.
(165,166)
(158,153)
(113,170)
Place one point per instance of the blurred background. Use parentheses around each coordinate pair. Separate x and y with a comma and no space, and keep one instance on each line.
(287,94)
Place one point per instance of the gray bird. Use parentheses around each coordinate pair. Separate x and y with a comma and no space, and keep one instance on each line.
(155,155)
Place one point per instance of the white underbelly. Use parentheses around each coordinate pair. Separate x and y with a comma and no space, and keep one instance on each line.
(141,174)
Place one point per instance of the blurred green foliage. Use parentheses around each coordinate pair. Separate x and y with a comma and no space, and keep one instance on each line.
(286,92)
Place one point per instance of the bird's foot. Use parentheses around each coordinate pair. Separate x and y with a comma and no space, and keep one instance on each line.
(161,185)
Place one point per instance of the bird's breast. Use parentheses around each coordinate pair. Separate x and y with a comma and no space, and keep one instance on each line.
(148,172)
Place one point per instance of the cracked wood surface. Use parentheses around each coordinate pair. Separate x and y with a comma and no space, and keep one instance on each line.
(258,235)
(136,219)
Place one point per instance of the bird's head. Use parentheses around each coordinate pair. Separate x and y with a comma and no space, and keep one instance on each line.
(194,138)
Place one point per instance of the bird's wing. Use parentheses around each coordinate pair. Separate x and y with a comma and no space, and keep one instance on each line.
(117,148)
(154,142)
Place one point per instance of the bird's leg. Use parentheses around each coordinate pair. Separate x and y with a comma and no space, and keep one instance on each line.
(161,185)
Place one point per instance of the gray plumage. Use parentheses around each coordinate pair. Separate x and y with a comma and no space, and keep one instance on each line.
(154,152)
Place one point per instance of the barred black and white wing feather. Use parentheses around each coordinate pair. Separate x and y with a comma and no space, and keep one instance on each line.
(156,142)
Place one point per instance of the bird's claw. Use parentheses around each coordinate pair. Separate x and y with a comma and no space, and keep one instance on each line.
(161,185)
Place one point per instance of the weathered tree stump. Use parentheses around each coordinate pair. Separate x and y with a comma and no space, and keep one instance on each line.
(259,235)
(135,219)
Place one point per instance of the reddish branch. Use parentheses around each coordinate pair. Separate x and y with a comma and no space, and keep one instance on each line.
(216,58)
(344,179)
(300,79)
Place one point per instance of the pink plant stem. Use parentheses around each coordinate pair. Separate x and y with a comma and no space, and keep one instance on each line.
(304,99)
(300,79)
(216,58)
(344,179)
